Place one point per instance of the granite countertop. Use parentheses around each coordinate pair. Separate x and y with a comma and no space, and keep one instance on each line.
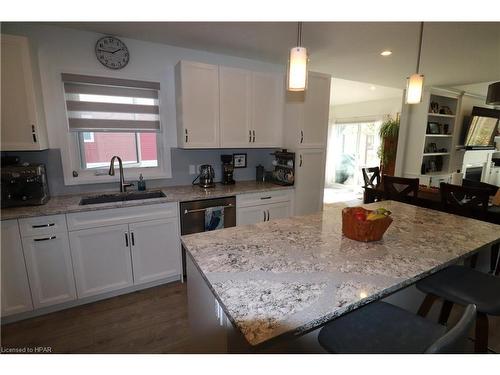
(287,276)
(70,203)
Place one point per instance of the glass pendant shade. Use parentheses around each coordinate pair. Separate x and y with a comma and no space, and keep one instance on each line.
(414,88)
(297,69)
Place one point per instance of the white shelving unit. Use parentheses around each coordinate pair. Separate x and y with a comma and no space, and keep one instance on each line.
(429,156)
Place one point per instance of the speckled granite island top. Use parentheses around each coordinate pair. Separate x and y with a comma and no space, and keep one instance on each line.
(70,203)
(288,276)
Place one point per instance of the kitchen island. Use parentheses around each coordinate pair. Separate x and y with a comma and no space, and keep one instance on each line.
(253,287)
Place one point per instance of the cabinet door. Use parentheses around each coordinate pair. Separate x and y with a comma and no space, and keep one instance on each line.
(267,109)
(50,272)
(197,95)
(21,122)
(156,250)
(101,259)
(316,111)
(251,215)
(278,210)
(16,297)
(235,89)
(309,181)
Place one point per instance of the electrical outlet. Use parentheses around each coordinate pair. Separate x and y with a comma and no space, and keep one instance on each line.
(192,169)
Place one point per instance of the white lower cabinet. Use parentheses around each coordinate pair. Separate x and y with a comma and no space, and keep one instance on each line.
(50,272)
(155,249)
(16,297)
(266,212)
(309,181)
(101,259)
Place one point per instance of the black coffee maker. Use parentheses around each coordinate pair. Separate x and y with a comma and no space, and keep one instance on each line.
(227,169)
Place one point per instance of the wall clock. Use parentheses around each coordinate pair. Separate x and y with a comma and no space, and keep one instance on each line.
(112,52)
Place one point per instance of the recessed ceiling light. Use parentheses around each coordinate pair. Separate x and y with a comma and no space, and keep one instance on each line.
(373,88)
(386,53)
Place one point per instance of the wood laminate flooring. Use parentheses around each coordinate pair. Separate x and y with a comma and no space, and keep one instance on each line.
(154,320)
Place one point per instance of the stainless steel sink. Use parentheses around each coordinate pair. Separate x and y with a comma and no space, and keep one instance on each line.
(121,197)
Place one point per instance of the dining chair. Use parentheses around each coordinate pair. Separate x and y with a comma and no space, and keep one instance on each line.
(400,189)
(469,201)
(465,201)
(463,285)
(382,328)
(482,185)
(371,176)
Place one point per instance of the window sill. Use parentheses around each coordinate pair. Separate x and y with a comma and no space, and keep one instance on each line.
(87,177)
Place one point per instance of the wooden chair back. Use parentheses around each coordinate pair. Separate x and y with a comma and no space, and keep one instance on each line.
(371,176)
(465,201)
(481,185)
(400,189)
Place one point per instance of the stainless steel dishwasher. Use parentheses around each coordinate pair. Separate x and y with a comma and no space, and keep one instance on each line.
(193,217)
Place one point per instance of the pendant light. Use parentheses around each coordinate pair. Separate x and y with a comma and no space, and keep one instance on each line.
(415,82)
(297,65)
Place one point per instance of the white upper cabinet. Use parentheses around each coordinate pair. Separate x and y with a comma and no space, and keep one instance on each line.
(197,103)
(225,107)
(16,297)
(267,109)
(306,114)
(235,96)
(23,119)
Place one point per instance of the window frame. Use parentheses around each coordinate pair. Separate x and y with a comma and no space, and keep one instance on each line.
(74,174)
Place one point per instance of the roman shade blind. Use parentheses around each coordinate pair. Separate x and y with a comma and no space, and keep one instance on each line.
(96,104)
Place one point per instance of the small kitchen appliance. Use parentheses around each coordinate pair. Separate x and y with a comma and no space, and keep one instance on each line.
(284,168)
(227,169)
(206,177)
(24,185)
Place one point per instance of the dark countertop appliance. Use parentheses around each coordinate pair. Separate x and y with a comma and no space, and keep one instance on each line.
(206,177)
(24,185)
(227,169)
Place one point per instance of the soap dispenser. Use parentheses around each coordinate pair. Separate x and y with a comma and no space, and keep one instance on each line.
(141,184)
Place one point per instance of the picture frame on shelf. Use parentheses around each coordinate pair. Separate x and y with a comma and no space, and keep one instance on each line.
(433,128)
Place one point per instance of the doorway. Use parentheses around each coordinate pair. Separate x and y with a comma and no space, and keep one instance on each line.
(351,147)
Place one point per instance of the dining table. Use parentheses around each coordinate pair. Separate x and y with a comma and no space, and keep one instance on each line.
(275,281)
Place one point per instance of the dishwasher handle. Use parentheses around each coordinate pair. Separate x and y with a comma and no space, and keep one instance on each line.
(186,211)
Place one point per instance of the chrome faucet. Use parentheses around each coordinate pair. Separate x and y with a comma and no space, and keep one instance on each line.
(123,185)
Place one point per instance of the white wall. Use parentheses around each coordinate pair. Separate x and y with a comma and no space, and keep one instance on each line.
(72,51)
(370,110)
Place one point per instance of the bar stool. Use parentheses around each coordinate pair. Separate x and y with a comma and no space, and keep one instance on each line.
(463,285)
(384,328)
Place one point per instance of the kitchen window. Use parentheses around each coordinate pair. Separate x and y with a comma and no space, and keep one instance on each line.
(109,116)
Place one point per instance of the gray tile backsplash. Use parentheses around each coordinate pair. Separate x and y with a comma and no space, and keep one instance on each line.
(181,159)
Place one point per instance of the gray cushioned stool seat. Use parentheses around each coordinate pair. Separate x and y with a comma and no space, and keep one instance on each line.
(464,285)
(379,328)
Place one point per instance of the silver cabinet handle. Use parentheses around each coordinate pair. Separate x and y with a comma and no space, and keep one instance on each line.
(186,211)
(43,225)
(186,132)
(264,212)
(265,197)
(253,137)
(132,238)
(33,133)
(45,238)
(301,136)
(250,136)
(300,163)
(126,239)
(268,215)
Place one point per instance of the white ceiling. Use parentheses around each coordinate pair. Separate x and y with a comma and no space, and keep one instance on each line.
(453,53)
(480,89)
(346,92)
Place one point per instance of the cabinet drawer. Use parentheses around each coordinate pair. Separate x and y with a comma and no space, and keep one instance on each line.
(125,215)
(36,226)
(266,197)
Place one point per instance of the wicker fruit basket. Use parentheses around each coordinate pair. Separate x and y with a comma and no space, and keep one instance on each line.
(365,231)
